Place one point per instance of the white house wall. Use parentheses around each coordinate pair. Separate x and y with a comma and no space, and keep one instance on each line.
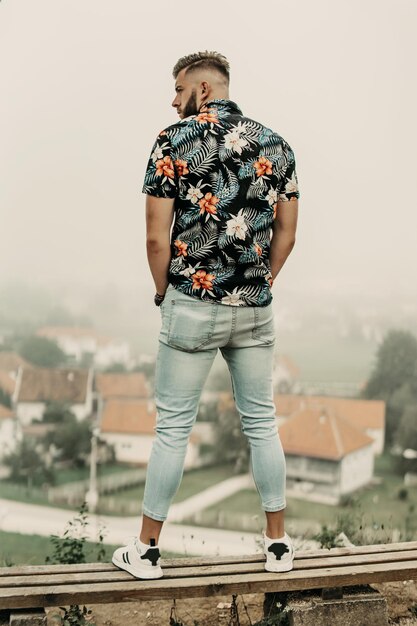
(137,448)
(377,435)
(29,411)
(9,436)
(356,469)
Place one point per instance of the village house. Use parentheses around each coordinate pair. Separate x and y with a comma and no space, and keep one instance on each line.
(368,416)
(80,342)
(37,386)
(129,426)
(326,456)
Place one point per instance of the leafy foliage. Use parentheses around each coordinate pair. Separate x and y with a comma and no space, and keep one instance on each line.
(70,548)
(41,351)
(394,377)
(72,439)
(27,464)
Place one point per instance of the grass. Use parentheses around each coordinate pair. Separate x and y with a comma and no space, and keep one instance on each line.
(18,549)
(74,474)
(193,482)
(376,506)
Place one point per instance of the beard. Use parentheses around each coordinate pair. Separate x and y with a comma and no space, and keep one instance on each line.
(191,105)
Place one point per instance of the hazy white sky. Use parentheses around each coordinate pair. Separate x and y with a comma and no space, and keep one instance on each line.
(87,85)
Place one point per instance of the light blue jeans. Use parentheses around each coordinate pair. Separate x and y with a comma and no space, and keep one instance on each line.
(191,333)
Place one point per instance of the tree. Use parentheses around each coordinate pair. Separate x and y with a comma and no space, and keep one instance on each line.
(396,364)
(394,377)
(57,412)
(406,437)
(5,399)
(72,439)
(27,464)
(41,351)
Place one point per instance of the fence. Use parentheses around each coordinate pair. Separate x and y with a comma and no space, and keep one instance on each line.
(73,494)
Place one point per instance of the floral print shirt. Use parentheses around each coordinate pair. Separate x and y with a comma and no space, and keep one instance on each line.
(226,173)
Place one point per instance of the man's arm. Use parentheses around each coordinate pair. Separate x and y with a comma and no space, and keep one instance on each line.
(283,234)
(159,217)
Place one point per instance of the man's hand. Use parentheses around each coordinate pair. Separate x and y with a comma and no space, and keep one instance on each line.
(159,218)
(283,234)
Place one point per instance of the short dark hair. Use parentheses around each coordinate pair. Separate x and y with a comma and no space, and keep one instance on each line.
(206,59)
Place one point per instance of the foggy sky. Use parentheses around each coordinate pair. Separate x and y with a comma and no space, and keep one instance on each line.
(87,85)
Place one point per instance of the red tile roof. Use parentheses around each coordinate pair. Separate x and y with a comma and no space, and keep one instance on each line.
(10,361)
(123,385)
(363,413)
(130,416)
(321,434)
(6,382)
(40,384)
(5,412)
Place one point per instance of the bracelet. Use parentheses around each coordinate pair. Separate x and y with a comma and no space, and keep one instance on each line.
(158,299)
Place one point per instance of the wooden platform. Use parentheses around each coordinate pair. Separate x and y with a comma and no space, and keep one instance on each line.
(99,583)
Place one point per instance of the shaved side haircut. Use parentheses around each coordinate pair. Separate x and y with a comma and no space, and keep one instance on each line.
(203,60)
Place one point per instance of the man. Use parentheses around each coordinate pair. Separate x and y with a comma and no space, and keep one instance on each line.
(230,186)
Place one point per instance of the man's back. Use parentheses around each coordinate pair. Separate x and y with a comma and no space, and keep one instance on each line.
(226,173)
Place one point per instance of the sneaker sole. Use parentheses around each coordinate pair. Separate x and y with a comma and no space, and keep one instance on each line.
(156,572)
(280,568)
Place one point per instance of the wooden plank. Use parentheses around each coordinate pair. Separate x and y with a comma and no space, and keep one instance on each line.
(208,560)
(203,586)
(300,565)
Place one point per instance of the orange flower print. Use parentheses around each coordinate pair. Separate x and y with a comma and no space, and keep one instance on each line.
(164,167)
(263,166)
(181,166)
(208,204)
(163,132)
(181,247)
(202,280)
(258,248)
(207,117)
(270,280)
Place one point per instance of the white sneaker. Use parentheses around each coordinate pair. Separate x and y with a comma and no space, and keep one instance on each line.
(139,559)
(279,553)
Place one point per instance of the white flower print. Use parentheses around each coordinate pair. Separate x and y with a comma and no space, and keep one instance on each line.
(292,185)
(240,128)
(189,270)
(233,141)
(233,298)
(237,226)
(194,194)
(272,196)
(157,154)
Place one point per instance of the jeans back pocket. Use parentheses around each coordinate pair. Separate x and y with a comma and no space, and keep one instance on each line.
(191,324)
(264,326)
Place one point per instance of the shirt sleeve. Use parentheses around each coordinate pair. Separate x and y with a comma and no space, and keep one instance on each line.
(288,186)
(161,178)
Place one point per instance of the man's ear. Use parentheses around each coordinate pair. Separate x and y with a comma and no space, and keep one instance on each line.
(204,88)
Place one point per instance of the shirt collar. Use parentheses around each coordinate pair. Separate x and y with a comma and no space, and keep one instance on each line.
(224,104)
